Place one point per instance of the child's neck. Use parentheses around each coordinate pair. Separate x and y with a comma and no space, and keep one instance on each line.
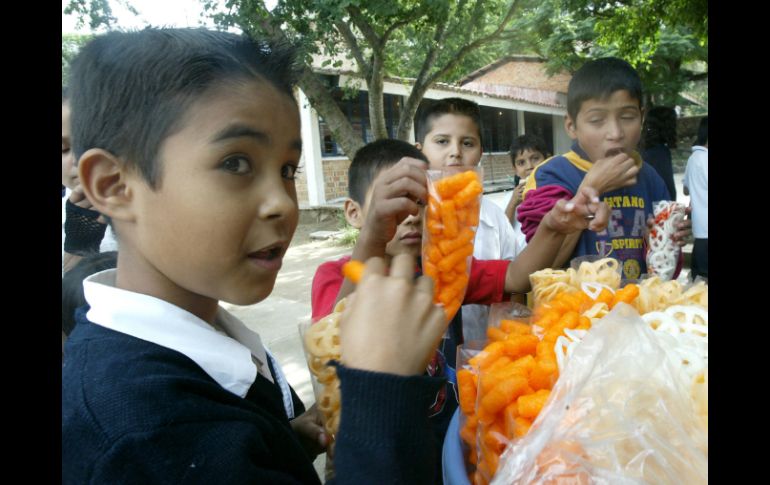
(136,274)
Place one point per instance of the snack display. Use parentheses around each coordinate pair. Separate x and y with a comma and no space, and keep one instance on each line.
(547,283)
(450,228)
(516,380)
(662,251)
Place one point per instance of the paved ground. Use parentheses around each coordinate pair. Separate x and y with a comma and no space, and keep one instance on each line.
(277,318)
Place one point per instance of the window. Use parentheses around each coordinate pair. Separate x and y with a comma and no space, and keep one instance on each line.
(356,110)
(499,127)
(541,125)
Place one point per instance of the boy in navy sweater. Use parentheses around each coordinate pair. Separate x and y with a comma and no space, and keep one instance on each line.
(189,141)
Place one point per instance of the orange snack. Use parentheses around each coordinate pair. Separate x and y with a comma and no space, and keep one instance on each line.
(515,327)
(466,385)
(451,218)
(627,294)
(503,393)
(529,406)
(353,270)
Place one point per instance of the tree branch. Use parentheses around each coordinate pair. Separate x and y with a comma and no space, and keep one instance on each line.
(366,29)
(474,45)
(355,48)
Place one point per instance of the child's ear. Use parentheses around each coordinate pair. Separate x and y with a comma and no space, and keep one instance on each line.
(354,214)
(104,181)
(418,145)
(570,126)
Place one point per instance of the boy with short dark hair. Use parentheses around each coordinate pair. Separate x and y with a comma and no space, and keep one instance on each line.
(189,141)
(527,151)
(604,117)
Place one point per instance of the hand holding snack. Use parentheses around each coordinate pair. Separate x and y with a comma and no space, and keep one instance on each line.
(584,211)
(397,193)
(390,324)
(611,173)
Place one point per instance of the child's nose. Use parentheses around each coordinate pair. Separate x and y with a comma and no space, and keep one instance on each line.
(276,203)
(615,130)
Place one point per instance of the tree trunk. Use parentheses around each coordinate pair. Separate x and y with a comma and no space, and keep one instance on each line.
(376,106)
(408,112)
(323,102)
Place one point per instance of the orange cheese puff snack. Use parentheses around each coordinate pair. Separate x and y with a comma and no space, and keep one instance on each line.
(448,262)
(449,218)
(468,434)
(448,246)
(522,426)
(466,385)
(486,357)
(529,406)
(627,294)
(494,334)
(468,193)
(543,376)
(503,393)
(515,327)
(510,413)
(520,345)
(353,270)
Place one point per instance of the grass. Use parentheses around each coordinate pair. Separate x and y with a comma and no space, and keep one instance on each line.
(349,233)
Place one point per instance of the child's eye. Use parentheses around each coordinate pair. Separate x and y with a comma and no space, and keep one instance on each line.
(290,171)
(237,165)
(65,150)
(469,144)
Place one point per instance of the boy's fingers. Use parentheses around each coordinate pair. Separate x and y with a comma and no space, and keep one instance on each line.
(402,266)
(373,266)
(407,187)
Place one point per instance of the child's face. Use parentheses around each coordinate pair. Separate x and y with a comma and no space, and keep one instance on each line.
(452,141)
(220,221)
(604,128)
(69,173)
(525,161)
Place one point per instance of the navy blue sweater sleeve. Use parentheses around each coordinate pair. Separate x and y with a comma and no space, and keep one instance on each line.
(385,435)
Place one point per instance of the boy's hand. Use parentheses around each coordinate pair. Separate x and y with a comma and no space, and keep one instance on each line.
(518,195)
(683,235)
(611,173)
(309,429)
(391,324)
(78,197)
(584,211)
(396,194)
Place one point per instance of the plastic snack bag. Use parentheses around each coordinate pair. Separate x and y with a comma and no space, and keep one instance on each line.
(451,219)
(662,251)
(620,413)
(321,341)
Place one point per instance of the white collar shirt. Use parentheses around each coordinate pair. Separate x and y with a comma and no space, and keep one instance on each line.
(232,360)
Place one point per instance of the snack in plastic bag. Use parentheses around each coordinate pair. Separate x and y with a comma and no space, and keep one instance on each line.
(662,251)
(454,202)
(322,344)
(621,412)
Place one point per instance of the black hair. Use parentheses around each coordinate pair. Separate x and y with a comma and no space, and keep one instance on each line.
(659,127)
(598,79)
(72,285)
(528,141)
(432,109)
(130,90)
(371,159)
(703,132)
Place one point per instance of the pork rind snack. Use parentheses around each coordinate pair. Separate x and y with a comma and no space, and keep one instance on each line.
(451,219)
(662,251)
(548,283)
(322,344)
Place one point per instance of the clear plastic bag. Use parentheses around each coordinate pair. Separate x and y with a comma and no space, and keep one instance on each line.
(621,412)
(451,219)
(662,252)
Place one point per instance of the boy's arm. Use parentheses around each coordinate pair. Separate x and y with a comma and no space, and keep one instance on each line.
(564,218)
(397,194)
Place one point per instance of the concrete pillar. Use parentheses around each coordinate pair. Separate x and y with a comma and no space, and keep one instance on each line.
(311,152)
(561,141)
(520,121)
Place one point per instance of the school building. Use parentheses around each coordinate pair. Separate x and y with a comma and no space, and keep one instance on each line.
(515,94)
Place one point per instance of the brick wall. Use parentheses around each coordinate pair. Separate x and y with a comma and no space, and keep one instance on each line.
(301,184)
(497,167)
(336,178)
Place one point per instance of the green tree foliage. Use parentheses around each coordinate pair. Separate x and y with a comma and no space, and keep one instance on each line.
(70,45)
(426,40)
